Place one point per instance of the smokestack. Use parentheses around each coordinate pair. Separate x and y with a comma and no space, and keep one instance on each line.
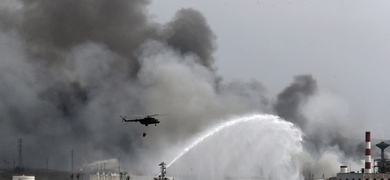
(367,168)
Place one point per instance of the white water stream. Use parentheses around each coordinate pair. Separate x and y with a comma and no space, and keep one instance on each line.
(257,146)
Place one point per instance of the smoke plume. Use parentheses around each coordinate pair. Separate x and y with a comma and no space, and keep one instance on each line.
(322,116)
(69,69)
(292,97)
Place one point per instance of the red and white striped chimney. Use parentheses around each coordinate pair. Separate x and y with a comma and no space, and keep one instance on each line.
(367,168)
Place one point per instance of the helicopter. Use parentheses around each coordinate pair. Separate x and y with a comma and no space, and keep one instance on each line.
(149,119)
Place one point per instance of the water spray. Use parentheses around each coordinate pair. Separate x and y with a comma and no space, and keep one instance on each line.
(222,126)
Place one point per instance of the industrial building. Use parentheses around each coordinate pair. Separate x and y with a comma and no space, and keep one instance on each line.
(380,170)
(377,169)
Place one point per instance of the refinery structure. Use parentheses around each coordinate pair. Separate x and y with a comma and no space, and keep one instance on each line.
(374,169)
(379,170)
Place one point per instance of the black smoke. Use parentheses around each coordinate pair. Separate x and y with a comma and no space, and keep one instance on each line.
(69,69)
(289,101)
(181,34)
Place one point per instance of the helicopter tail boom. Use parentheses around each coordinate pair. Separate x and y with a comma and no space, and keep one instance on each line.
(129,120)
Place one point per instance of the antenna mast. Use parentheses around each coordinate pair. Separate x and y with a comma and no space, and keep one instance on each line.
(20,152)
(72,161)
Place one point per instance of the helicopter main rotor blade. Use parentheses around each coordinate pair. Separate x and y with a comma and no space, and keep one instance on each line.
(159,115)
(137,115)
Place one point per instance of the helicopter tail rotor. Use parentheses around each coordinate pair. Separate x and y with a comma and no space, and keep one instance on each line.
(123,118)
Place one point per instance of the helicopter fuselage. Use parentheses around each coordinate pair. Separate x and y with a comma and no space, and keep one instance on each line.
(145,121)
(149,120)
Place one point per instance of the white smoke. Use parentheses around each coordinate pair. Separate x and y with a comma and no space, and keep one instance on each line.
(328,124)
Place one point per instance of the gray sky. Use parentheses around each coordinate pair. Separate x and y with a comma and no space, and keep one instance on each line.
(345,45)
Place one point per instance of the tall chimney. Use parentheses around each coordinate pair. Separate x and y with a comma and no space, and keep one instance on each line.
(367,168)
